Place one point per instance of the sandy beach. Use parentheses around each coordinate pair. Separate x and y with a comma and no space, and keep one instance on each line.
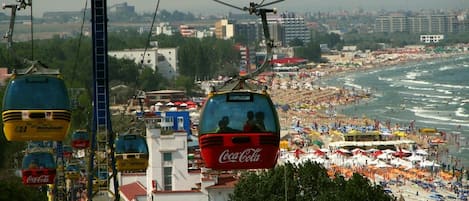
(307,113)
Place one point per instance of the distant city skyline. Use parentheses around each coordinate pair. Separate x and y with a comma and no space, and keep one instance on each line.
(212,7)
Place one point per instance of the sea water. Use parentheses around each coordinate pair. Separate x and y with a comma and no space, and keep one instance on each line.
(434,94)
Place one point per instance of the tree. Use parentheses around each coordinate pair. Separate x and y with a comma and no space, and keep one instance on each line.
(13,189)
(308,181)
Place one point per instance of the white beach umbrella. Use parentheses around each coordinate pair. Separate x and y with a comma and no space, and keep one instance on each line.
(158,104)
(421,152)
(414,157)
(382,165)
(384,156)
(170,104)
(389,151)
(428,163)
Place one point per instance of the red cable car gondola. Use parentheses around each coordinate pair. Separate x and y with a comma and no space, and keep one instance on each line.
(239,129)
(38,168)
(239,126)
(67,151)
(80,139)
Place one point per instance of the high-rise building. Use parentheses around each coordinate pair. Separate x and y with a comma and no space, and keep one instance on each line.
(431,23)
(248,33)
(391,23)
(224,29)
(287,27)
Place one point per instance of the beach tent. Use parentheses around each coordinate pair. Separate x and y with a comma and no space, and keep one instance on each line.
(428,163)
(414,157)
(169,104)
(159,104)
(421,152)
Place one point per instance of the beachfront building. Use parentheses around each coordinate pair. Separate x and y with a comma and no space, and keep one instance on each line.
(287,27)
(163,60)
(395,22)
(430,23)
(175,170)
(224,29)
(248,33)
(431,38)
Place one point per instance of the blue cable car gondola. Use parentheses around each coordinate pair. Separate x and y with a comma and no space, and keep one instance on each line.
(131,152)
(80,139)
(36,106)
(38,168)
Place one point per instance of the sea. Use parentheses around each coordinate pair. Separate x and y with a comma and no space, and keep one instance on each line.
(432,93)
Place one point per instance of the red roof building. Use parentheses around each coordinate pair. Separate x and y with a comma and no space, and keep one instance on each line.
(130,192)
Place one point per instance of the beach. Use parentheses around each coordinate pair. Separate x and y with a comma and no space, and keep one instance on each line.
(308,113)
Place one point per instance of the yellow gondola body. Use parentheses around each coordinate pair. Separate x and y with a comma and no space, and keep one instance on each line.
(131,153)
(36,107)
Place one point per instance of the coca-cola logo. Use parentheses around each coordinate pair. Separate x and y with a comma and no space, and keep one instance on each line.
(43,179)
(247,156)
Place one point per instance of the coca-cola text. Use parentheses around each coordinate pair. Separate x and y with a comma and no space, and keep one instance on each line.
(247,156)
(43,179)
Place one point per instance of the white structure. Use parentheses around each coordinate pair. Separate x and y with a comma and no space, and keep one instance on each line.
(168,176)
(163,28)
(224,29)
(163,60)
(431,38)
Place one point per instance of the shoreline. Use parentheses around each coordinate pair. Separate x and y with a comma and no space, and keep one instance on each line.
(310,107)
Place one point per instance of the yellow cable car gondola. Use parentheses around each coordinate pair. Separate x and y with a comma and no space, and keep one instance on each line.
(131,153)
(36,106)
(72,171)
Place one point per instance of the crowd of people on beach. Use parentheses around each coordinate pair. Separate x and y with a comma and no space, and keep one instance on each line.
(307,109)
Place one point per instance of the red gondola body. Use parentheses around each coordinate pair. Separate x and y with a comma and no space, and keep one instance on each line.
(228,151)
(67,152)
(80,144)
(38,176)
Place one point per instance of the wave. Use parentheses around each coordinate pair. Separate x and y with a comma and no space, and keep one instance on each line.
(451,86)
(420,88)
(412,75)
(425,96)
(444,91)
(443,117)
(385,79)
(461,112)
(416,82)
(445,68)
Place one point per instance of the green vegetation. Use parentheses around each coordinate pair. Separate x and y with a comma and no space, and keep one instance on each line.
(308,181)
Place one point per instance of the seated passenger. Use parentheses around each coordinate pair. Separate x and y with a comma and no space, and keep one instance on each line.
(223,126)
(259,122)
(250,122)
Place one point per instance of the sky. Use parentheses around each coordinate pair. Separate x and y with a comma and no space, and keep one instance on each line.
(212,7)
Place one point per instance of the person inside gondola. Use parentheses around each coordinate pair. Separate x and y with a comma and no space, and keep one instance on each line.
(34,164)
(223,125)
(259,122)
(250,122)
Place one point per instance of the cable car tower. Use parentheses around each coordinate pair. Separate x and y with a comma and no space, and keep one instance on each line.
(102,169)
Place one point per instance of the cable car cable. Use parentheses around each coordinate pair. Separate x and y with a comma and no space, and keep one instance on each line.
(79,44)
